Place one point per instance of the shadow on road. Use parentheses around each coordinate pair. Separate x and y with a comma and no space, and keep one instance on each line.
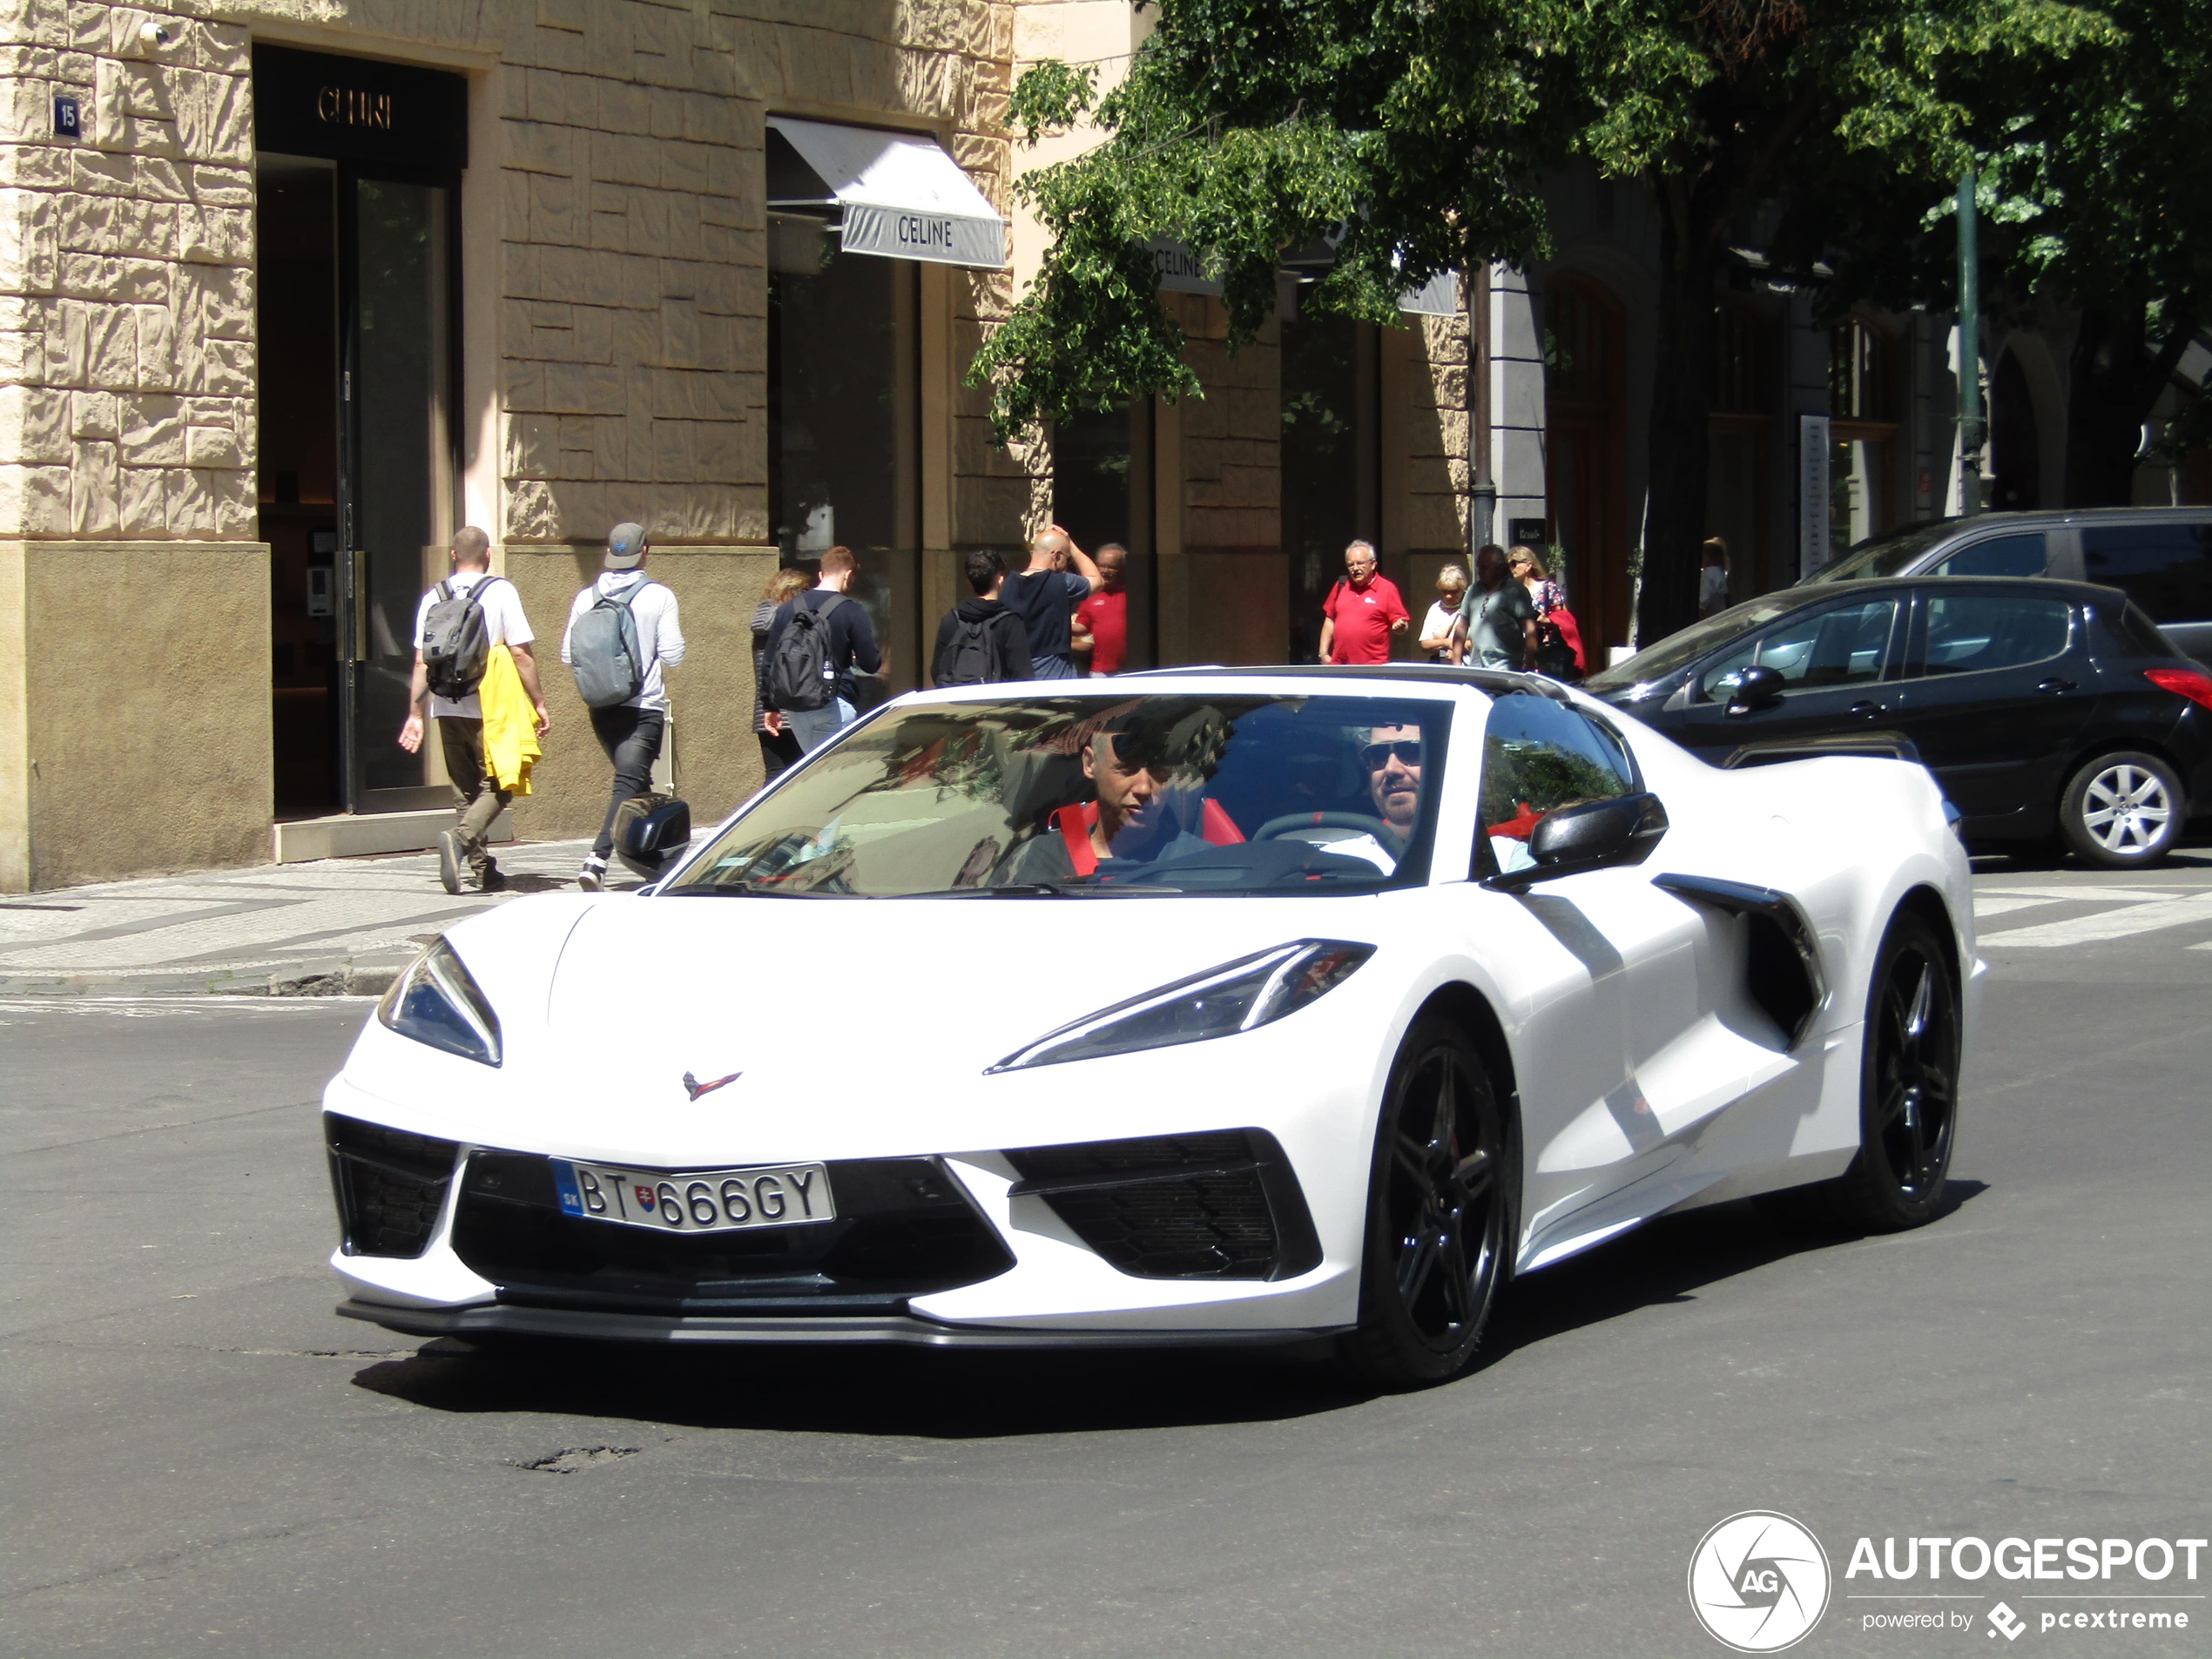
(949,1395)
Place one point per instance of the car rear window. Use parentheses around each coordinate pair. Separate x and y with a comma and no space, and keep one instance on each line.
(2136,634)
(1969,633)
(2166,569)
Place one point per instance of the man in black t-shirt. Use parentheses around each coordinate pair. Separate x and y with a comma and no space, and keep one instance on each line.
(850,643)
(1045,596)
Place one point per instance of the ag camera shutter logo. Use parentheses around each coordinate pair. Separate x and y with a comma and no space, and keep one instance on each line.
(1758,1582)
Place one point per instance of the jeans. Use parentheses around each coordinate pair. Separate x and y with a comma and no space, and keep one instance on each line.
(478,800)
(778,754)
(631,739)
(814,727)
(1051,668)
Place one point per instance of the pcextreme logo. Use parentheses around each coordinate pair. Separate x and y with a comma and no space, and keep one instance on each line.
(1758,1582)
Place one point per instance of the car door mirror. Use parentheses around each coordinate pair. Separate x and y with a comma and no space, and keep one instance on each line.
(651,838)
(1756,688)
(1590,835)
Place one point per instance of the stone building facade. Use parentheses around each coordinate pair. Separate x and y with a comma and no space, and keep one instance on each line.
(289,291)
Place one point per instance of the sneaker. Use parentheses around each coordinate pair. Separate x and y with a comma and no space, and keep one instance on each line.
(492,879)
(449,860)
(593,877)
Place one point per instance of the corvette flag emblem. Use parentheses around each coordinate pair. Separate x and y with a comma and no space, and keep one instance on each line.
(694,1088)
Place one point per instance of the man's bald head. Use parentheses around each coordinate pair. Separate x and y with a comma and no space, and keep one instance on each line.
(1048,550)
(471,550)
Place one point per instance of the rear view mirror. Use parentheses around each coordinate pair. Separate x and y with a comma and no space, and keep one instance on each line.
(1592,835)
(1756,688)
(653,838)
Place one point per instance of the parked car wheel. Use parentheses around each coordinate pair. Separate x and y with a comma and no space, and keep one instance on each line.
(2124,810)
(1439,1202)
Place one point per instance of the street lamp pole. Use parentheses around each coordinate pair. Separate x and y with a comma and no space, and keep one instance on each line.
(1971,428)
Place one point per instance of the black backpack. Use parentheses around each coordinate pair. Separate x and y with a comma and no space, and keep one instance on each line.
(800,676)
(455,643)
(972,656)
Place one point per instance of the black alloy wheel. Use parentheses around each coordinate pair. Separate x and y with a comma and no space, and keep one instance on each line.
(1909,1084)
(1441,1192)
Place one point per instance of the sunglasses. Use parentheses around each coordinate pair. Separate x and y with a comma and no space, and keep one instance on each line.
(1407,752)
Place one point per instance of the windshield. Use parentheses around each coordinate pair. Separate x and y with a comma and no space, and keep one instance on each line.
(1883,555)
(1679,649)
(1100,793)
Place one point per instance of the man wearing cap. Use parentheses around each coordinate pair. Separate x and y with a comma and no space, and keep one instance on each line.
(630,732)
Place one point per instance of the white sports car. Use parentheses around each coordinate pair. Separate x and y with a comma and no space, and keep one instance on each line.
(1210,1006)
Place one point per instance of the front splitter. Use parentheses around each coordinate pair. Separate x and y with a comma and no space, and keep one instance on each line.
(497,1321)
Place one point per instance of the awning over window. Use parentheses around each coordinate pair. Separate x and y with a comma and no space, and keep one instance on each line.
(1180,271)
(900,196)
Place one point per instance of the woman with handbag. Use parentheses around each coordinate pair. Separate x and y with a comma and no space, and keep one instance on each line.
(1558,650)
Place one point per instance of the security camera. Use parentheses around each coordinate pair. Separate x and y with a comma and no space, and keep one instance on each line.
(154,34)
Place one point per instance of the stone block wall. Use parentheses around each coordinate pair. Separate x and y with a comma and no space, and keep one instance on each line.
(1433,434)
(1232,437)
(126,293)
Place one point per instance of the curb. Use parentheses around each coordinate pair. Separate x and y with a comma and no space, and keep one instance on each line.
(326,978)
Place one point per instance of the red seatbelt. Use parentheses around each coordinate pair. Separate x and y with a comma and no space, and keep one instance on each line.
(1074,824)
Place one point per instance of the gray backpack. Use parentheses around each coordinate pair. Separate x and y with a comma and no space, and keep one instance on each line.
(603,653)
(455,643)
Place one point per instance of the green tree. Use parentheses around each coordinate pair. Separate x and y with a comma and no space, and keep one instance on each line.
(1413,135)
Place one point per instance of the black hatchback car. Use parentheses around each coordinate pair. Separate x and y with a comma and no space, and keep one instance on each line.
(2041,707)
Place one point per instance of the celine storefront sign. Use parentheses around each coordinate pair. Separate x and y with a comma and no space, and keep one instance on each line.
(359,109)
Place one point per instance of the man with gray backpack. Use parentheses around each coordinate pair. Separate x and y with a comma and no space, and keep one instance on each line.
(622,631)
(455,626)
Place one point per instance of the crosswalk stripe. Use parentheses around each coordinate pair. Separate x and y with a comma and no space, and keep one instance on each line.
(2122,923)
(2003,904)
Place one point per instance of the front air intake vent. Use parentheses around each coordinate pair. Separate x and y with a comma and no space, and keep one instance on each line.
(390,1186)
(1223,1205)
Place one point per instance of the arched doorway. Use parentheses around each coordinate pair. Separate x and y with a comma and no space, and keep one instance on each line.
(1585,455)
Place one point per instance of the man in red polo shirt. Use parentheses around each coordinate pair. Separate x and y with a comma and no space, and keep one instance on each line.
(1101,621)
(1361,612)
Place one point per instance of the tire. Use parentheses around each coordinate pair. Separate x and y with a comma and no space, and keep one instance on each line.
(2124,810)
(1443,1188)
(1908,1087)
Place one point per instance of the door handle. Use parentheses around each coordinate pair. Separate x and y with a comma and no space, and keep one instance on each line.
(1865,711)
(2054,686)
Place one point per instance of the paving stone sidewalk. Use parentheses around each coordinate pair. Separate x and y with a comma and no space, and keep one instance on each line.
(338,927)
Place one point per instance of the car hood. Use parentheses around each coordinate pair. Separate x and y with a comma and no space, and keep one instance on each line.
(801,992)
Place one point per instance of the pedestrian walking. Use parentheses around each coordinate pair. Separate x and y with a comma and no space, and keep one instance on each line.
(818,639)
(1045,594)
(1443,631)
(623,632)
(1501,617)
(1101,621)
(779,750)
(1559,637)
(1712,578)
(456,626)
(1362,611)
(980,641)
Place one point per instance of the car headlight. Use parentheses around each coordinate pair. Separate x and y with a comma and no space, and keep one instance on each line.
(1241,995)
(436,1001)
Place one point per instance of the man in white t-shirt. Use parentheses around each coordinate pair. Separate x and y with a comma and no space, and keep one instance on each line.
(460,720)
(629,732)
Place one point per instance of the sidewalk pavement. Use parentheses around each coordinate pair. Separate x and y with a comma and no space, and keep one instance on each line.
(338,927)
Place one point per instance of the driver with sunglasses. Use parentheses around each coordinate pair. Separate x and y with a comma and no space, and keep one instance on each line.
(1392,760)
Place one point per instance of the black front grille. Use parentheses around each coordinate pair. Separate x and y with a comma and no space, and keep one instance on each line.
(905,1227)
(1181,1206)
(390,1186)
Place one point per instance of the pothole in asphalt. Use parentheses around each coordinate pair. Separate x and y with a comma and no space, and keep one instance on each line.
(577,1457)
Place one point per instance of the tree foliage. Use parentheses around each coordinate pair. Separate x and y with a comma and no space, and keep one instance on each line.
(1414,135)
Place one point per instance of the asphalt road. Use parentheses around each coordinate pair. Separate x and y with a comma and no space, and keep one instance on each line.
(201,1458)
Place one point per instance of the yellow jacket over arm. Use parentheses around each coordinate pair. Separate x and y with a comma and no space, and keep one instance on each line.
(510,725)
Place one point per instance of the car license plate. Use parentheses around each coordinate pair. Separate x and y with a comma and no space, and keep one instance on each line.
(701,1201)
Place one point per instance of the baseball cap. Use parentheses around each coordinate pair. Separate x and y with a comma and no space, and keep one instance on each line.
(625,546)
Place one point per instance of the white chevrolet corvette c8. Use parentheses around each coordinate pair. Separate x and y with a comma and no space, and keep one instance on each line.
(1193,1006)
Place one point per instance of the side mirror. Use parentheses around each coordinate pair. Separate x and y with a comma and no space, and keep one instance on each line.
(1591,836)
(1756,688)
(653,838)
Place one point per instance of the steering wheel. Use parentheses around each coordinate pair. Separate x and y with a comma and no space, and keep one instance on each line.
(1276,828)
